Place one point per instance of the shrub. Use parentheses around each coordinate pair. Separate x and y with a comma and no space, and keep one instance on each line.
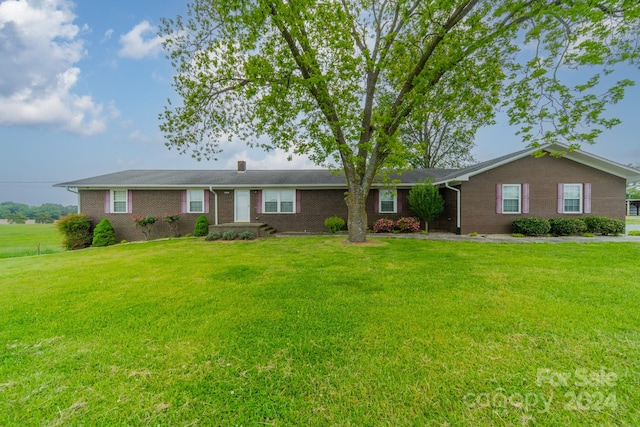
(104,234)
(567,226)
(229,235)
(172,221)
(614,226)
(383,225)
(202,226)
(334,223)
(145,222)
(408,225)
(595,223)
(604,225)
(531,226)
(214,235)
(634,233)
(76,229)
(246,235)
(517,235)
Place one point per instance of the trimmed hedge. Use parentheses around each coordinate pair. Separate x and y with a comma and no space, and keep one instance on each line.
(604,225)
(531,226)
(567,226)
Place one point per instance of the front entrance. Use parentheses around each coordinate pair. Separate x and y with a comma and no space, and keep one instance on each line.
(242,206)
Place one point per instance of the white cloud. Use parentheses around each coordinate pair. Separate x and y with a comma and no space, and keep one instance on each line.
(141,42)
(40,45)
(108,34)
(276,159)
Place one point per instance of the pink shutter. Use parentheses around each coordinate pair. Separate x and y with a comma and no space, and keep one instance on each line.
(560,198)
(376,201)
(259,201)
(298,201)
(525,198)
(587,198)
(107,201)
(498,198)
(184,201)
(398,202)
(129,201)
(206,201)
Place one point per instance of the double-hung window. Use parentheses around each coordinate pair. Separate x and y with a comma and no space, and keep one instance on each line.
(119,201)
(387,201)
(572,198)
(278,201)
(511,198)
(195,201)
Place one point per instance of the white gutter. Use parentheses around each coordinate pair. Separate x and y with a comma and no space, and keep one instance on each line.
(77,196)
(215,205)
(446,184)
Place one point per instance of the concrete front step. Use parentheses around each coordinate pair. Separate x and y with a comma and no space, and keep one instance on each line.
(257,228)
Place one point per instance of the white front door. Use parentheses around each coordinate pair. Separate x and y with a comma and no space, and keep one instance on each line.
(242,206)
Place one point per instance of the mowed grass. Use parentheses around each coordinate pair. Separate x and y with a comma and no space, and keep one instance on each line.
(17,240)
(633,220)
(315,332)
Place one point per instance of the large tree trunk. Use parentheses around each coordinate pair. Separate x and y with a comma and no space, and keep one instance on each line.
(357,220)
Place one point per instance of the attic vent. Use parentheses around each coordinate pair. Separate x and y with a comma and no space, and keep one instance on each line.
(242,166)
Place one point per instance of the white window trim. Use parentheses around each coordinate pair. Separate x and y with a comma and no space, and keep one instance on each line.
(189,192)
(394,199)
(112,201)
(580,199)
(279,205)
(519,199)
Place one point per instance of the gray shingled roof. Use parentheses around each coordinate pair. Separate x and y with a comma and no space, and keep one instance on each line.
(315,178)
(232,179)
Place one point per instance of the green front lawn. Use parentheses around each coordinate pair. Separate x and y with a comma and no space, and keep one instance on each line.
(18,240)
(312,331)
(633,220)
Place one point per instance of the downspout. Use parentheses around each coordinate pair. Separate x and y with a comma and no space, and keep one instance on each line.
(446,184)
(215,205)
(77,193)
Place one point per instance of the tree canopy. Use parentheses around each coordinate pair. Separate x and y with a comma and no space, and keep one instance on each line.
(338,80)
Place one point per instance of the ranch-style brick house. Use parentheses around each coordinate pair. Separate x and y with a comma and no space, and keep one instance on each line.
(483,198)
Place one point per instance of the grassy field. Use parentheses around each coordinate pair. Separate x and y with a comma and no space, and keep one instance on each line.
(633,220)
(312,331)
(18,240)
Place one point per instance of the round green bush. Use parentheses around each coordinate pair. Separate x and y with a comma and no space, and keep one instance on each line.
(246,235)
(567,226)
(202,226)
(104,234)
(230,235)
(334,224)
(214,235)
(604,225)
(76,229)
(531,226)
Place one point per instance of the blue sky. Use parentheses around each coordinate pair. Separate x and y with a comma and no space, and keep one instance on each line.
(82,84)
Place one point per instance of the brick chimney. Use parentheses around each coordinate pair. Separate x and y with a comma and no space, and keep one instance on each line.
(242,166)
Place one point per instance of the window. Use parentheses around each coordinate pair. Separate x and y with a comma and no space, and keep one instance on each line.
(195,201)
(387,201)
(511,198)
(572,195)
(119,202)
(278,201)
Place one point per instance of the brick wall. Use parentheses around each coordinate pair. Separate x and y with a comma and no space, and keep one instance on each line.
(543,175)
(144,202)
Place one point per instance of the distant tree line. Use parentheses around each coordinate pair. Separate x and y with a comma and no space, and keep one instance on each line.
(19,213)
